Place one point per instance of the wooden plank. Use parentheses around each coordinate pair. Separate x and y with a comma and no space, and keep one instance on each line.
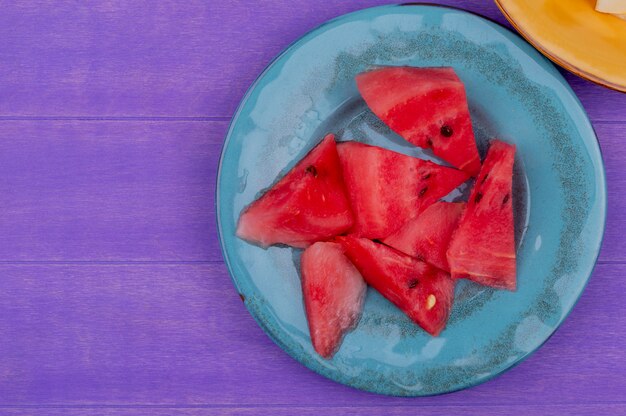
(600,103)
(79,190)
(139,59)
(128,335)
(412,409)
(76,190)
(612,138)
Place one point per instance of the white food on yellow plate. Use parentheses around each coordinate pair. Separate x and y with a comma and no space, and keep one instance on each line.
(615,7)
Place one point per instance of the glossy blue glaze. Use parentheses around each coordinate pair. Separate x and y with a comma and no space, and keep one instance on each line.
(515,94)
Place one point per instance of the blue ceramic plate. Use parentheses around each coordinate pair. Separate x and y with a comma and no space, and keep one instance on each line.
(515,94)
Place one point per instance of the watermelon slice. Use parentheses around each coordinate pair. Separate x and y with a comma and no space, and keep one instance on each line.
(387,189)
(420,290)
(309,204)
(426,106)
(483,246)
(333,295)
(427,237)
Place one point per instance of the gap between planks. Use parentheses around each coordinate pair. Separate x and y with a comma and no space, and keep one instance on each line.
(299,406)
(104,262)
(112,118)
(169,118)
(163,262)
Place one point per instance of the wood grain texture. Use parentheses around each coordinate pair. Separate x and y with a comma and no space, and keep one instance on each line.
(612,137)
(77,190)
(129,190)
(117,334)
(544,410)
(115,300)
(118,58)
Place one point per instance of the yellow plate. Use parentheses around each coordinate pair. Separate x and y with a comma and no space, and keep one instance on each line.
(572,34)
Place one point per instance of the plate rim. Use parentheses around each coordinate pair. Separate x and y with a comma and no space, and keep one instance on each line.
(569,66)
(323,371)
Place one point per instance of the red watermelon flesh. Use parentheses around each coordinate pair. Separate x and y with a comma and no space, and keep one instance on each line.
(428,235)
(308,204)
(387,189)
(426,106)
(483,246)
(333,295)
(420,290)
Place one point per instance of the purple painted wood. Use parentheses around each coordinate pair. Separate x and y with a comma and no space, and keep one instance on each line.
(139,334)
(133,59)
(109,190)
(114,297)
(612,138)
(155,190)
(462,410)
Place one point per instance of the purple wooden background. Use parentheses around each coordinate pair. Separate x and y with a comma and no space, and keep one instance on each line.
(114,299)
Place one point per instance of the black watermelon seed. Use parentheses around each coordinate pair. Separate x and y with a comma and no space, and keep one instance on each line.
(429,142)
(427,176)
(505,199)
(478,197)
(311,169)
(484,178)
(413,283)
(423,191)
(446,131)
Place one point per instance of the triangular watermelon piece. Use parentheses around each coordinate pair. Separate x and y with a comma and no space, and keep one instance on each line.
(483,246)
(426,106)
(308,204)
(423,292)
(427,237)
(387,189)
(333,295)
